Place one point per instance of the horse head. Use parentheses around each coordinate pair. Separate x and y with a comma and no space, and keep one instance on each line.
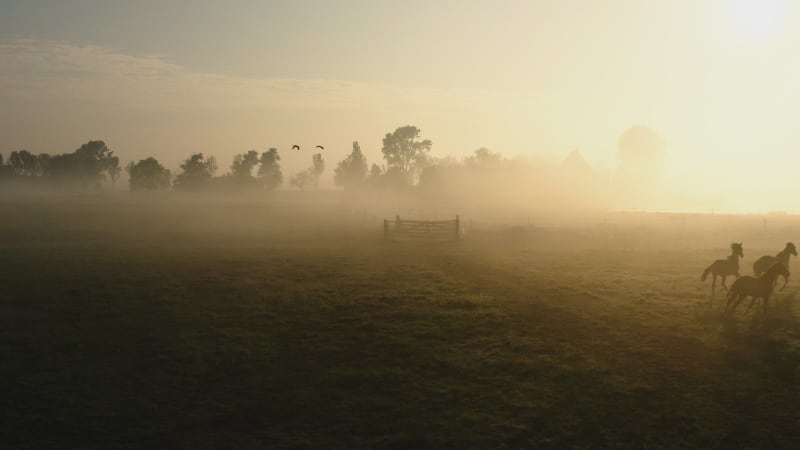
(790,247)
(778,269)
(737,249)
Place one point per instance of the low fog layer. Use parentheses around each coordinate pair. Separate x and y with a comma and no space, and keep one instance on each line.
(409,168)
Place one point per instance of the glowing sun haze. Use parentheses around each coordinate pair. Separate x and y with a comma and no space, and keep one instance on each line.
(717,79)
(757,19)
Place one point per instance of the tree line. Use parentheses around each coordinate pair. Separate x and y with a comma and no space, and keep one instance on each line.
(94,164)
(406,162)
(88,166)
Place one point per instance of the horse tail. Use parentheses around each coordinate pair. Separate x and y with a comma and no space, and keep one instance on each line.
(705,273)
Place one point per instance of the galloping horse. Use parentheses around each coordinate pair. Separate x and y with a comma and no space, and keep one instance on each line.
(724,267)
(760,287)
(765,262)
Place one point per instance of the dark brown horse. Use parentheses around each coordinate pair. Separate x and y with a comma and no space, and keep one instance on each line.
(724,267)
(765,262)
(760,287)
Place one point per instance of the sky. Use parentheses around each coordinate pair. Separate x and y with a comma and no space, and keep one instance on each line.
(716,78)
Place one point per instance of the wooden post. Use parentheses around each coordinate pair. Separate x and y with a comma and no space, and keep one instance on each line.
(385,230)
(458,227)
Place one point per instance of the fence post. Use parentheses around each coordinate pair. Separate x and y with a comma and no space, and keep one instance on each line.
(458,227)
(385,230)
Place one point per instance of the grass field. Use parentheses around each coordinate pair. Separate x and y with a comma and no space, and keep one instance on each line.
(193,323)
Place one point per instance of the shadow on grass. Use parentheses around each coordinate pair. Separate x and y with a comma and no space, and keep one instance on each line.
(768,343)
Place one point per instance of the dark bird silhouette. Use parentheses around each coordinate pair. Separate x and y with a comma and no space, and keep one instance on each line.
(295,147)
(321,147)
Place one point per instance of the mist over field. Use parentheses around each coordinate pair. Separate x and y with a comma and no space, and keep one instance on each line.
(449,224)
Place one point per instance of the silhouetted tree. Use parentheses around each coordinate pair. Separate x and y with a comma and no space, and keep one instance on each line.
(302,180)
(317,168)
(243,164)
(375,171)
(430,179)
(374,176)
(241,174)
(113,169)
(42,163)
(196,172)
(444,161)
(5,170)
(85,167)
(448,174)
(403,151)
(269,169)
(483,158)
(23,162)
(352,170)
(148,175)
(394,178)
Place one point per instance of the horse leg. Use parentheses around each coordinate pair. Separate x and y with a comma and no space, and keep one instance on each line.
(724,286)
(731,298)
(713,284)
(752,302)
(766,299)
(731,303)
(785,282)
(736,304)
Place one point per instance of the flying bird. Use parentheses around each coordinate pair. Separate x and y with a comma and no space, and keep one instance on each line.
(321,147)
(295,147)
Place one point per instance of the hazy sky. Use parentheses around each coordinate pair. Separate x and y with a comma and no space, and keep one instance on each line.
(718,79)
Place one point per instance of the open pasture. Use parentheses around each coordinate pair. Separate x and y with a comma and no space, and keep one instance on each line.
(142,322)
